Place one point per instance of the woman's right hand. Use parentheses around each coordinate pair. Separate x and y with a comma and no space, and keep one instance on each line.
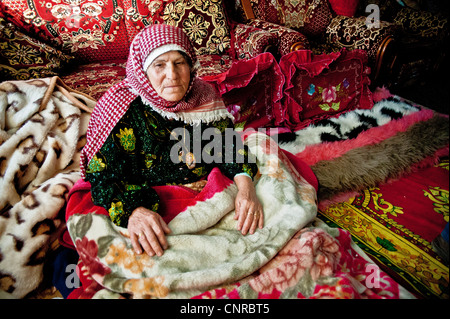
(148,231)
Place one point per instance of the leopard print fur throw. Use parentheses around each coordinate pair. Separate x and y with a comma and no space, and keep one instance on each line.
(42,130)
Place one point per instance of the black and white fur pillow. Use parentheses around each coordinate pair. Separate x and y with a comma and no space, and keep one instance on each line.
(347,126)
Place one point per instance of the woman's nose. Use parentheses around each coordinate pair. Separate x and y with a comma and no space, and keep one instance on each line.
(172,72)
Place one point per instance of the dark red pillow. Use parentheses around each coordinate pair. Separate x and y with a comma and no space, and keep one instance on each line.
(23,58)
(344,7)
(252,90)
(326,85)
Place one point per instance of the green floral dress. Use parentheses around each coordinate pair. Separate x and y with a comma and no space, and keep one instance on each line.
(144,150)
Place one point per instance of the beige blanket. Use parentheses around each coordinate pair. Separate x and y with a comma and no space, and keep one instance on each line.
(42,130)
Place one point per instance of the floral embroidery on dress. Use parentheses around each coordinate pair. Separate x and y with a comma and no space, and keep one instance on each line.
(222,125)
(247,169)
(200,171)
(242,152)
(149,160)
(127,139)
(155,207)
(132,187)
(116,213)
(96,165)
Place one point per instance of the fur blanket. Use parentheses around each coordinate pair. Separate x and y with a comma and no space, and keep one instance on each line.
(365,148)
(42,127)
(291,257)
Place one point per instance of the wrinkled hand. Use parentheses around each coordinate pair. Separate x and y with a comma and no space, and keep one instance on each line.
(148,231)
(248,209)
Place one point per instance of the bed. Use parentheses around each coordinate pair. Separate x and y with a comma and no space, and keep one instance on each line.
(355,186)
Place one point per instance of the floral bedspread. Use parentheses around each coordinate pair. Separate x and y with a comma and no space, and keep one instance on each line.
(293,256)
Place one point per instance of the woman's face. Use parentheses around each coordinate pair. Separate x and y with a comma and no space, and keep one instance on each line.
(170,75)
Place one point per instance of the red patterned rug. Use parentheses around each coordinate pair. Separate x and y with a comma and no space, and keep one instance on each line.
(395,224)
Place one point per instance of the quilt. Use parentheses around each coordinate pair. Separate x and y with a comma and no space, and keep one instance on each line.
(42,128)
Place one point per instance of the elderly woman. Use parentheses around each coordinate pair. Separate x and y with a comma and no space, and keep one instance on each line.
(130,139)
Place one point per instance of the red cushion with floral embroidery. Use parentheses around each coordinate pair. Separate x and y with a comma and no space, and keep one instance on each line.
(310,17)
(91,30)
(252,90)
(205,22)
(325,85)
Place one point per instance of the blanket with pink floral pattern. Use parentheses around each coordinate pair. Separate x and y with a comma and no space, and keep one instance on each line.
(293,256)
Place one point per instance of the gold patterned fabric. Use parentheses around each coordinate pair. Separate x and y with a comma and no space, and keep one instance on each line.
(310,17)
(353,33)
(23,58)
(205,23)
(421,24)
(395,223)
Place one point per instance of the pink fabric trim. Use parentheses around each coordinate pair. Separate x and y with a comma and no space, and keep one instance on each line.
(328,151)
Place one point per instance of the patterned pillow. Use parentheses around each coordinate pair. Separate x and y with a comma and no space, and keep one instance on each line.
(205,22)
(322,86)
(91,30)
(140,14)
(310,17)
(94,79)
(266,10)
(251,41)
(353,33)
(23,58)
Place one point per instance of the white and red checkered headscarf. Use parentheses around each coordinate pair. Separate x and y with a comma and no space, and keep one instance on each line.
(200,104)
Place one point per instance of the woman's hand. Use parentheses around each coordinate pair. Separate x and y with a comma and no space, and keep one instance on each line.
(148,230)
(249,211)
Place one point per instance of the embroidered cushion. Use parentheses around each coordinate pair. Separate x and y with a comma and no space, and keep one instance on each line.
(23,58)
(91,30)
(252,90)
(251,41)
(421,24)
(310,17)
(353,33)
(213,64)
(205,22)
(322,86)
(286,37)
(266,10)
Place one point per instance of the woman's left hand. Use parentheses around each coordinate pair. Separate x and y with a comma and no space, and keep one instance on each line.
(248,209)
